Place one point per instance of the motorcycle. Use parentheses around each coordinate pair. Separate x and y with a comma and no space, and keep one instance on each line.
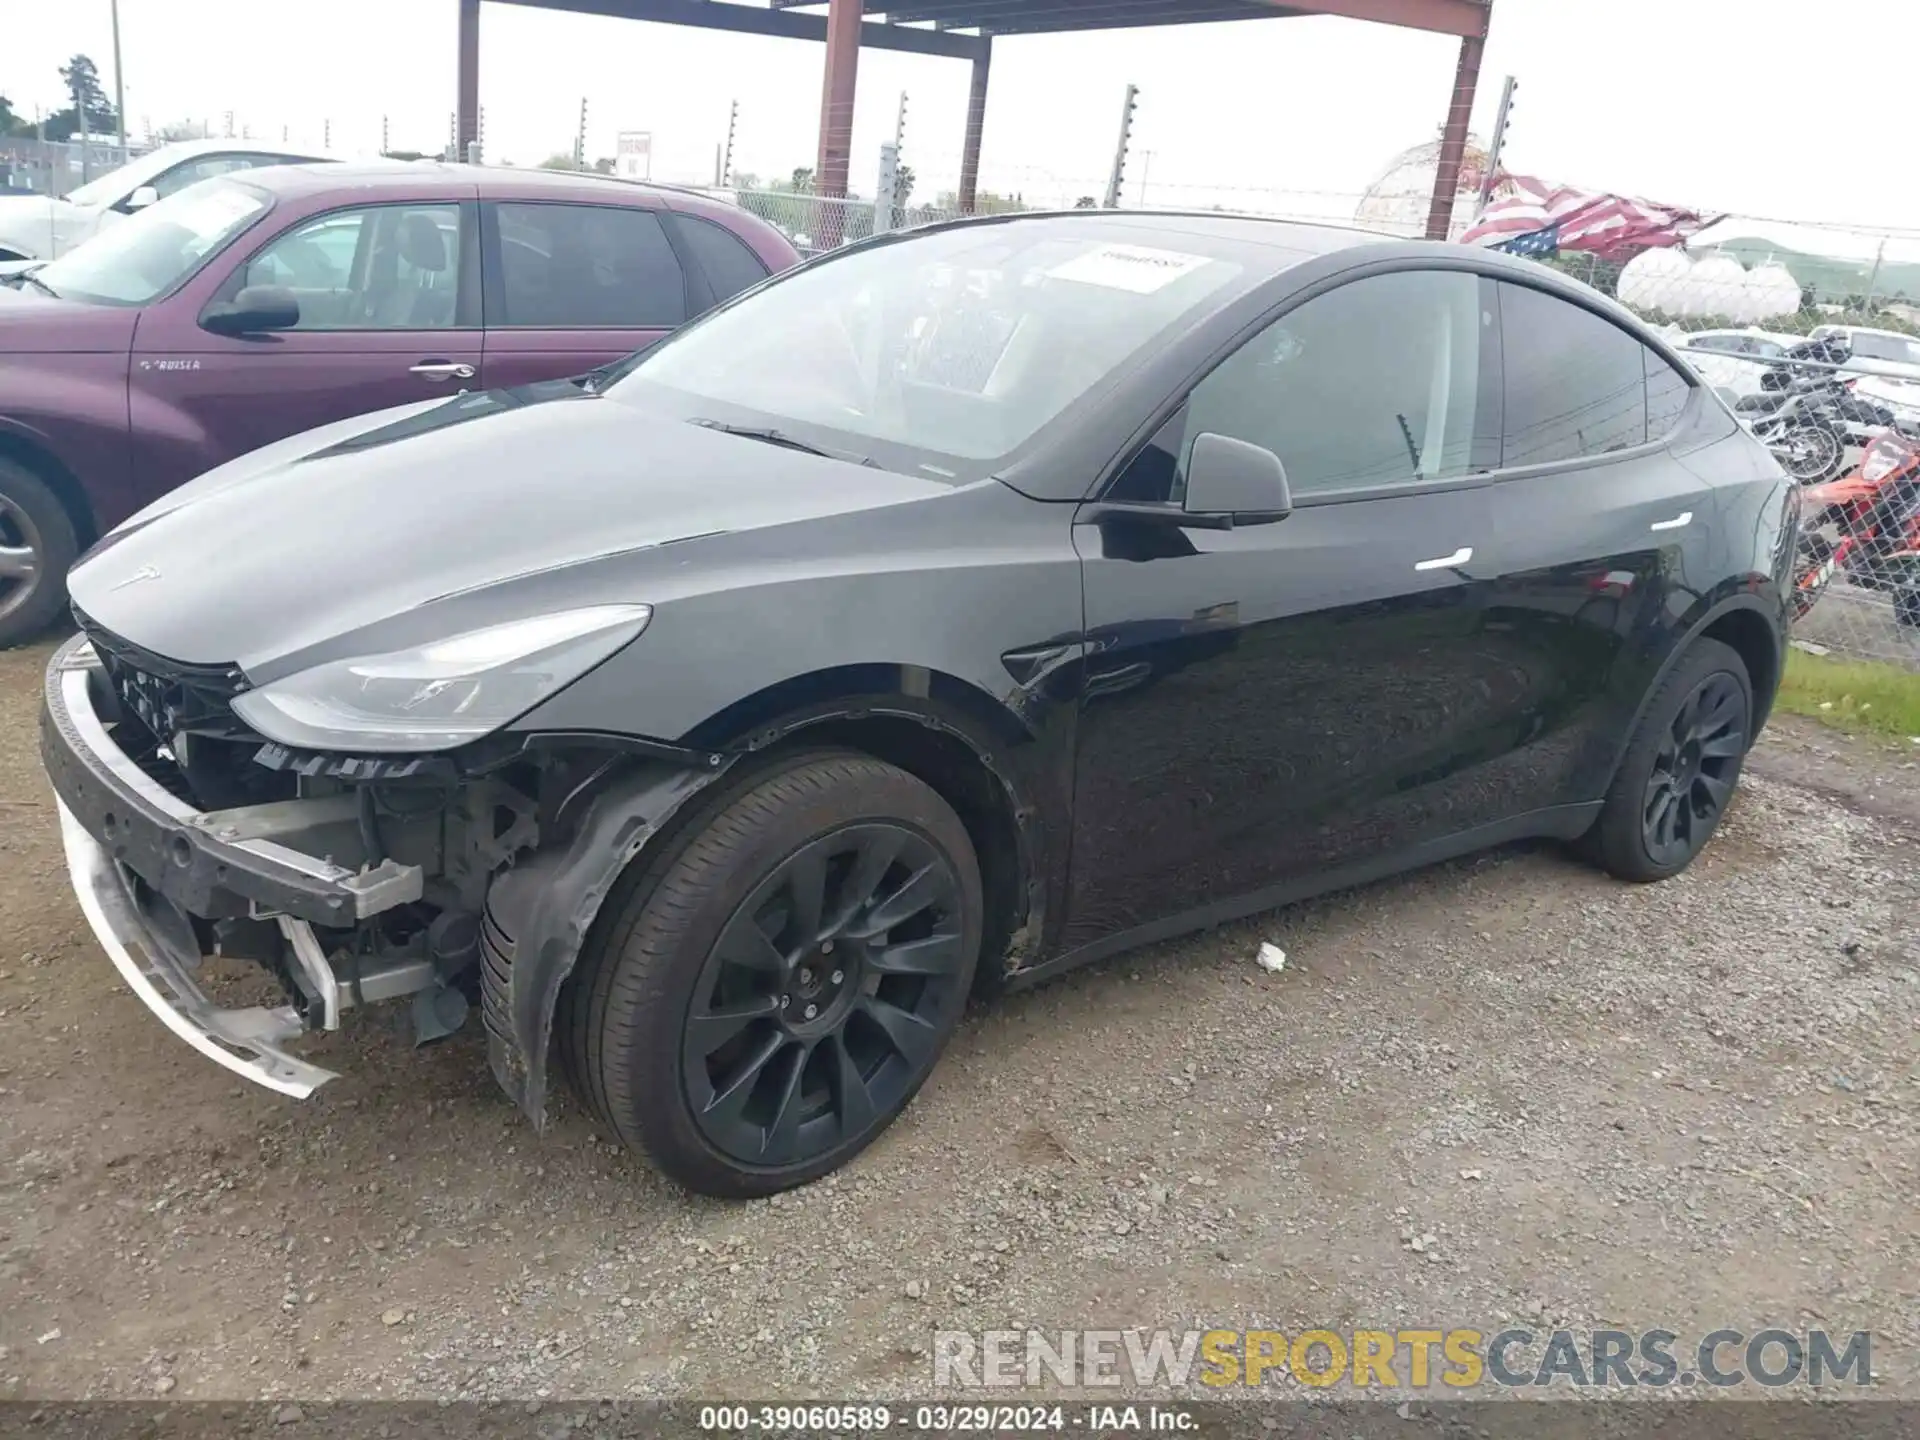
(1803,424)
(1866,525)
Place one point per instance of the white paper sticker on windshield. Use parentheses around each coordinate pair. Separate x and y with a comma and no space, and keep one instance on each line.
(1129,267)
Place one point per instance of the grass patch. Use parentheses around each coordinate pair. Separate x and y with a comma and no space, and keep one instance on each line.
(1853,694)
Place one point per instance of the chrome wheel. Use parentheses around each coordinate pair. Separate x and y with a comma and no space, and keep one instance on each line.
(21,565)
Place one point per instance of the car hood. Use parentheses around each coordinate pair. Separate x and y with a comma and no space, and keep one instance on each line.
(34,323)
(292,550)
(28,220)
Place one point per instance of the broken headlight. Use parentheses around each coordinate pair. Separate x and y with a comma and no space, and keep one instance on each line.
(440,695)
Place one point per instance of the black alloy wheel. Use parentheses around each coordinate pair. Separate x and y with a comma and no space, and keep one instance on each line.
(1694,770)
(824,1000)
(771,988)
(1680,768)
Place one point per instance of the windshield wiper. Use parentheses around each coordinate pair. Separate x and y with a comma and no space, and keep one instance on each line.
(770,436)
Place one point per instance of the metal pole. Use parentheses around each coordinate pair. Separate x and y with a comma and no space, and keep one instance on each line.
(726,160)
(976,126)
(837,85)
(1453,139)
(1119,172)
(466,115)
(1499,144)
(119,89)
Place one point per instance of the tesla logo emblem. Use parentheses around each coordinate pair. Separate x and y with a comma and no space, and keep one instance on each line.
(145,572)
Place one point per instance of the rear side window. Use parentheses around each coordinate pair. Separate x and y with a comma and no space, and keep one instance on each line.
(1667,392)
(577,267)
(1576,385)
(729,264)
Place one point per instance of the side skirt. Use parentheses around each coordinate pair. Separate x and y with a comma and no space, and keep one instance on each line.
(1560,822)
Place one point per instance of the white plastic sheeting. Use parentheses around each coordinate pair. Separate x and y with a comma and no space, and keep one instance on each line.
(1718,287)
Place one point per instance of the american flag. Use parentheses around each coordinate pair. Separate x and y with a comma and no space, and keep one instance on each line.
(1613,227)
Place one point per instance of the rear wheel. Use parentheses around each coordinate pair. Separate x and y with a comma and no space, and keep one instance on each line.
(1680,768)
(37,546)
(777,989)
(1812,453)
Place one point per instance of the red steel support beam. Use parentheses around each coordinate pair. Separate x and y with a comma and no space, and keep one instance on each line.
(466,124)
(976,125)
(1453,139)
(836,97)
(1447,17)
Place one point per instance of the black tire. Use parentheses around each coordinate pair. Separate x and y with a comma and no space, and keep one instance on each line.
(1625,840)
(1906,607)
(631,1021)
(34,522)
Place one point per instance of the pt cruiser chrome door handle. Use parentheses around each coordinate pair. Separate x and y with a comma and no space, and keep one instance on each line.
(1447,562)
(442,370)
(1679,522)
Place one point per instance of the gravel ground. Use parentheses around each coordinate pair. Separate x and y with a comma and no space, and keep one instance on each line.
(1504,1089)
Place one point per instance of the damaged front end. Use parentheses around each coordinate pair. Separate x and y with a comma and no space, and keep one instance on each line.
(437,880)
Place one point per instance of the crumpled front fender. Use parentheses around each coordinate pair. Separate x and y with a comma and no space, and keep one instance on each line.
(540,913)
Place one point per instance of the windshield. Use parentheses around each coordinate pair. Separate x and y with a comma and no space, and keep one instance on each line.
(952,348)
(1868,346)
(153,250)
(107,188)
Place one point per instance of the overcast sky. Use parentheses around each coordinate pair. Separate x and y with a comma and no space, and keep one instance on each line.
(1765,107)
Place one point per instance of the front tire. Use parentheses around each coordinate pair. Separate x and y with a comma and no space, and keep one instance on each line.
(38,545)
(1680,767)
(778,985)
(1813,454)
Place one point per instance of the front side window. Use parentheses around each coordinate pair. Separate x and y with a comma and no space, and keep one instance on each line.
(386,267)
(1391,380)
(1576,384)
(936,353)
(154,250)
(575,267)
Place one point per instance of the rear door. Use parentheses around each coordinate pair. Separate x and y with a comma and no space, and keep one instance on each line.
(570,286)
(1606,538)
(389,314)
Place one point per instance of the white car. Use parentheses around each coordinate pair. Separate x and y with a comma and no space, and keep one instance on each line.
(1891,362)
(40,227)
(1732,361)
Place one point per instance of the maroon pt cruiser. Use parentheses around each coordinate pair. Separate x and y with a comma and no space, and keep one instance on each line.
(251,307)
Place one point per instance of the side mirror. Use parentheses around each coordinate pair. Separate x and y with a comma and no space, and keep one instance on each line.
(1235,479)
(141,198)
(255,309)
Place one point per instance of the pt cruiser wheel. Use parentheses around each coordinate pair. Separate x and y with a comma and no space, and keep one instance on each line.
(1680,768)
(778,986)
(37,544)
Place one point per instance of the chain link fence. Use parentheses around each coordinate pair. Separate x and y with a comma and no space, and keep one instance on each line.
(1812,337)
(48,167)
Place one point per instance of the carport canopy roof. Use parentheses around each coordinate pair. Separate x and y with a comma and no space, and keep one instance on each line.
(954,27)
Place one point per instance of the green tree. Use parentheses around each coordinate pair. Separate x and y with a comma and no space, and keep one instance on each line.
(1086,202)
(12,123)
(903,186)
(802,180)
(82,81)
(558,162)
(604,165)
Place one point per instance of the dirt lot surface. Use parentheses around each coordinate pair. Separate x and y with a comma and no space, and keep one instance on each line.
(1505,1089)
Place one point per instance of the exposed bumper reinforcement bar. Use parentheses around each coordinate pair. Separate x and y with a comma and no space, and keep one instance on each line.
(246,1042)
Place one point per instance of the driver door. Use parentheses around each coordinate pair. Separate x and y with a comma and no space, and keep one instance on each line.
(389,314)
